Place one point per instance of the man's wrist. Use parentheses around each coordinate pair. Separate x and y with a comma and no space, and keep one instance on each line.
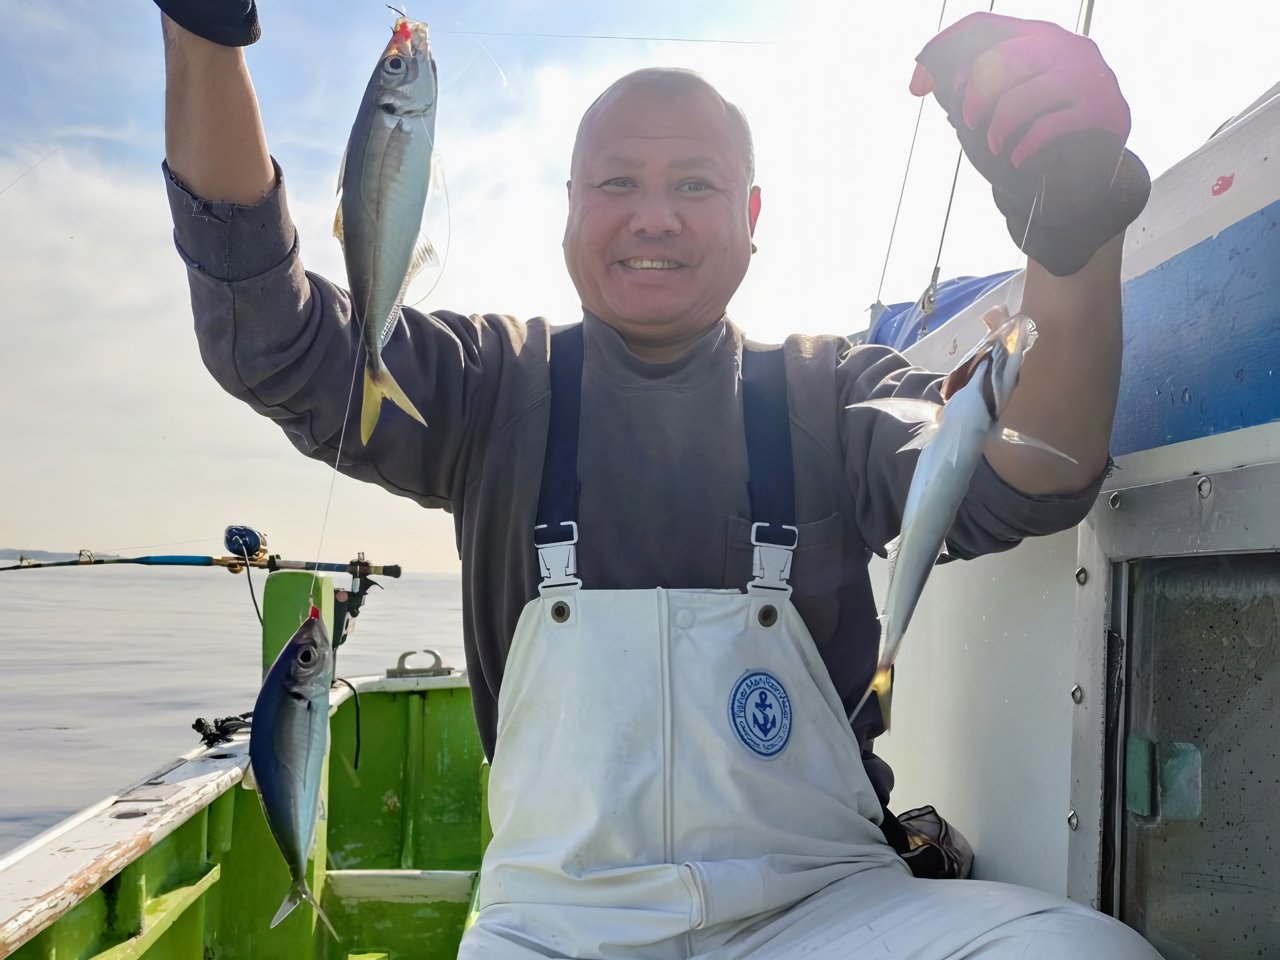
(1064,245)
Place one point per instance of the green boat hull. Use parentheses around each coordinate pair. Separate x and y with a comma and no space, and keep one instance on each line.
(397,850)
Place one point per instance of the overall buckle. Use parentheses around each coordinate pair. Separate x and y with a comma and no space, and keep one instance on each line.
(771,560)
(558,558)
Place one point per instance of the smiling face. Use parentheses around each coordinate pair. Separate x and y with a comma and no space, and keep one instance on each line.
(661,209)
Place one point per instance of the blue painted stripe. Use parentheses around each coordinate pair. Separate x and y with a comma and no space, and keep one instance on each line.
(1202,339)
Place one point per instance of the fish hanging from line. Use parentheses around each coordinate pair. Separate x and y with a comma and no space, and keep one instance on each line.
(950,437)
(287,745)
(385,176)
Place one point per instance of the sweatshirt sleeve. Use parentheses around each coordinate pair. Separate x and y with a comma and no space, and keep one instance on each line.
(994,516)
(283,340)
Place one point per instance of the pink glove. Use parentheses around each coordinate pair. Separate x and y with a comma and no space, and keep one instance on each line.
(1040,115)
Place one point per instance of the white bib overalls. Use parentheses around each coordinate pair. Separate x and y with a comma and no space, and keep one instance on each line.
(675,777)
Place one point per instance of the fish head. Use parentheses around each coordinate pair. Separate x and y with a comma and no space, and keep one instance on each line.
(308,658)
(405,82)
(1010,342)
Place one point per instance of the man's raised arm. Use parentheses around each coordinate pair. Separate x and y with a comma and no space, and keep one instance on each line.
(1041,116)
(281,339)
(213,131)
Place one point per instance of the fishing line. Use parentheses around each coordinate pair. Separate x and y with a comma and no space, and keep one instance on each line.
(248,578)
(355,694)
(611,36)
(448,214)
(29,169)
(152,546)
(497,66)
(333,479)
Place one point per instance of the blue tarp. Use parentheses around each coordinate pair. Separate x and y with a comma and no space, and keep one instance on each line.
(900,324)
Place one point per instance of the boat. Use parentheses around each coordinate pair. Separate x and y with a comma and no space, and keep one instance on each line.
(182,864)
(1108,735)
(1110,692)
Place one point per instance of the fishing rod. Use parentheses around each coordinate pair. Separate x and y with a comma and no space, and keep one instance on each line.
(246,548)
(356,568)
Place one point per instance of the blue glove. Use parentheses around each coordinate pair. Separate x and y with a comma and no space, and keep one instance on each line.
(231,23)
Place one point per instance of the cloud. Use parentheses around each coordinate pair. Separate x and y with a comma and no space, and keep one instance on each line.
(119,410)
(120,436)
(116,433)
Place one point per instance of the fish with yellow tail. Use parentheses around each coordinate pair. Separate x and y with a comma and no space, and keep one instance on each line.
(386,173)
(287,746)
(950,437)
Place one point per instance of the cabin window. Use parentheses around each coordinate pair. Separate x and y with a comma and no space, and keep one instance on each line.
(1199,790)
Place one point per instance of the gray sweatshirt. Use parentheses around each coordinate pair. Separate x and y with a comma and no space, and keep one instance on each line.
(662,462)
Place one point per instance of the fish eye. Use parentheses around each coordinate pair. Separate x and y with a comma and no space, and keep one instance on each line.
(306,656)
(394,64)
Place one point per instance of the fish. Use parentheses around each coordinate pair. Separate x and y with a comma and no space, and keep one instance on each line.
(951,437)
(287,748)
(383,182)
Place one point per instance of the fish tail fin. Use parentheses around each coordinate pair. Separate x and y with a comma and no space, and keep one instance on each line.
(304,892)
(371,406)
(882,686)
(301,893)
(378,383)
(291,900)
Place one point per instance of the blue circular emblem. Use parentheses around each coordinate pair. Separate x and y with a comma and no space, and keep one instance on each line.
(760,713)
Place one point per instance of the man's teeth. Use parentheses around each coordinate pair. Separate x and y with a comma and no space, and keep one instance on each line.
(640,263)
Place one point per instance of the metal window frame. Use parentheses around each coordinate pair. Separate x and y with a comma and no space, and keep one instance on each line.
(1228,512)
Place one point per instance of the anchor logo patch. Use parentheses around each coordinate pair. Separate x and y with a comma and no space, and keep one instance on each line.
(760,713)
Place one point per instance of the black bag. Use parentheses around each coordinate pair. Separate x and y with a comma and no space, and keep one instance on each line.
(931,847)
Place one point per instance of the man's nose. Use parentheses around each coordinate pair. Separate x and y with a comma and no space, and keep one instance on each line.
(655,215)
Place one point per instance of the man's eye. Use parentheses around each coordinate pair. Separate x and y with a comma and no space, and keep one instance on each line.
(694,186)
(618,183)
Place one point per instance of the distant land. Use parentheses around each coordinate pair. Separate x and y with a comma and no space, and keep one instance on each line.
(45,556)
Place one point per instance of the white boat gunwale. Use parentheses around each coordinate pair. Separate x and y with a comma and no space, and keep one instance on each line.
(53,872)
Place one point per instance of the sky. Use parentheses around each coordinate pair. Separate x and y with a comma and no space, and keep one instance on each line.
(115,438)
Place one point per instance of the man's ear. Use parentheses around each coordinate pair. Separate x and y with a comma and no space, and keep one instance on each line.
(753,208)
(568,188)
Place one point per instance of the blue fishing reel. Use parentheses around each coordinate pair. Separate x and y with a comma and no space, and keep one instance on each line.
(245,542)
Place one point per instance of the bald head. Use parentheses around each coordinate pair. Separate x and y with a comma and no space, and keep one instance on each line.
(662,209)
(669,84)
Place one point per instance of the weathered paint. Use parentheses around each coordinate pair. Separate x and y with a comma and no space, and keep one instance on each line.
(53,878)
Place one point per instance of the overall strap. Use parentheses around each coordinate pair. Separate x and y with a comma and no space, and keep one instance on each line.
(556,532)
(771,478)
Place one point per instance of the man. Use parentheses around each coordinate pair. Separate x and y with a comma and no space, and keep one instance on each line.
(674,774)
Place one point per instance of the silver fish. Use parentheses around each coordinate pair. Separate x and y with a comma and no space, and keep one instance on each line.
(386,172)
(287,747)
(951,438)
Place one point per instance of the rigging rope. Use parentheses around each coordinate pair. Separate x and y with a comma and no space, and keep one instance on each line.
(911,151)
(929,297)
